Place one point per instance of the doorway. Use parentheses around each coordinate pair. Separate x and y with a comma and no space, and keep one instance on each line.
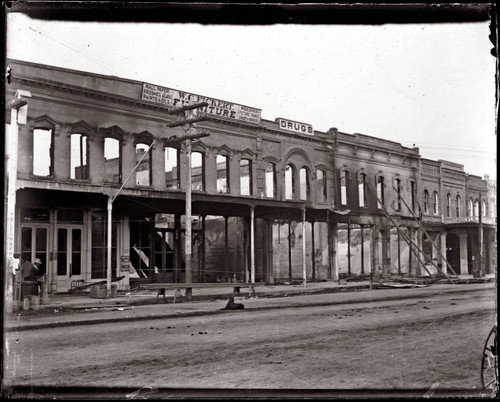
(68,256)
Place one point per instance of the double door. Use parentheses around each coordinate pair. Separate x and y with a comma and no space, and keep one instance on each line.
(69,256)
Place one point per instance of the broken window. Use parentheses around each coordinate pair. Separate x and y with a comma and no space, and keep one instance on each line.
(246,177)
(380,192)
(398,191)
(222,162)
(362,190)
(426,202)
(143,173)
(289,182)
(172,174)
(305,192)
(112,160)
(42,152)
(321,183)
(79,168)
(271,180)
(344,177)
(197,171)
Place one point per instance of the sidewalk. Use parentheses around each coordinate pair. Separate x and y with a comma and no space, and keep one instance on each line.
(80,309)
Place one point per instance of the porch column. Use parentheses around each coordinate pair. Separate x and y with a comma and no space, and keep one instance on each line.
(444,265)
(386,252)
(313,252)
(252,244)
(464,266)
(304,272)
(333,243)
(374,250)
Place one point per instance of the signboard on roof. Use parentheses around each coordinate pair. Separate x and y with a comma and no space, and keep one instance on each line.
(216,107)
(295,126)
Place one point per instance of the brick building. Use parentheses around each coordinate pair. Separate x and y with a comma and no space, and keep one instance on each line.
(272,201)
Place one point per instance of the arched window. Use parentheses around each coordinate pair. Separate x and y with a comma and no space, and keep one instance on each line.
(321,185)
(435,206)
(362,190)
(344,178)
(79,168)
(172,173)
(483,208)
(289,182)
(412,194)
(246,181)
(197,171)
(470,208)
(305,191)
(143,173)
(112,160)
(398,193)
(476,208)
(43,154)
(426,202)
(222,162)
(270,176)
(459,206)
(380,192)
(448,205)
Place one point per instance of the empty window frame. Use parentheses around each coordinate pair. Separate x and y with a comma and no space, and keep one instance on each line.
(321,185)
(197,171)
(289,182)
(246,179)
(412,195)
(380,192)
(305,190)
(172,173)
(112,160)
(43,152)
(344,178)
(143,173)
(79,168)
(426,202)
(270,180)
(362,194)
(470,208)
(398,194)
(435,203)
(476,208)
(222,162)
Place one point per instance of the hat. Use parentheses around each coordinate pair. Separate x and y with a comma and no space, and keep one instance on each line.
(37,261)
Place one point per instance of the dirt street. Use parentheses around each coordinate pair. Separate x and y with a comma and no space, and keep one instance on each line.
(386,345)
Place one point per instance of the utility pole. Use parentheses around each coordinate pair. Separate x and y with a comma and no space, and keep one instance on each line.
(190,120)
(480,272)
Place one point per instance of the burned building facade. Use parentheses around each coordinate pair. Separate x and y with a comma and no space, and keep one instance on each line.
(271,201)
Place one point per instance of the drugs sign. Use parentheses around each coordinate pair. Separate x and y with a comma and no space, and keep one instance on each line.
(295,126)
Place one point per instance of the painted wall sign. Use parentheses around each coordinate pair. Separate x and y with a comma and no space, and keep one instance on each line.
(216,107)
(295,126)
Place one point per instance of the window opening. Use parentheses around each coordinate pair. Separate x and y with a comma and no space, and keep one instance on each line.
(246,181)
(112,160)
(172,174)
(42,152)
(79,169)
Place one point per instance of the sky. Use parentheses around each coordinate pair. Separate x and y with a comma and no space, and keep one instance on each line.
(426,85)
